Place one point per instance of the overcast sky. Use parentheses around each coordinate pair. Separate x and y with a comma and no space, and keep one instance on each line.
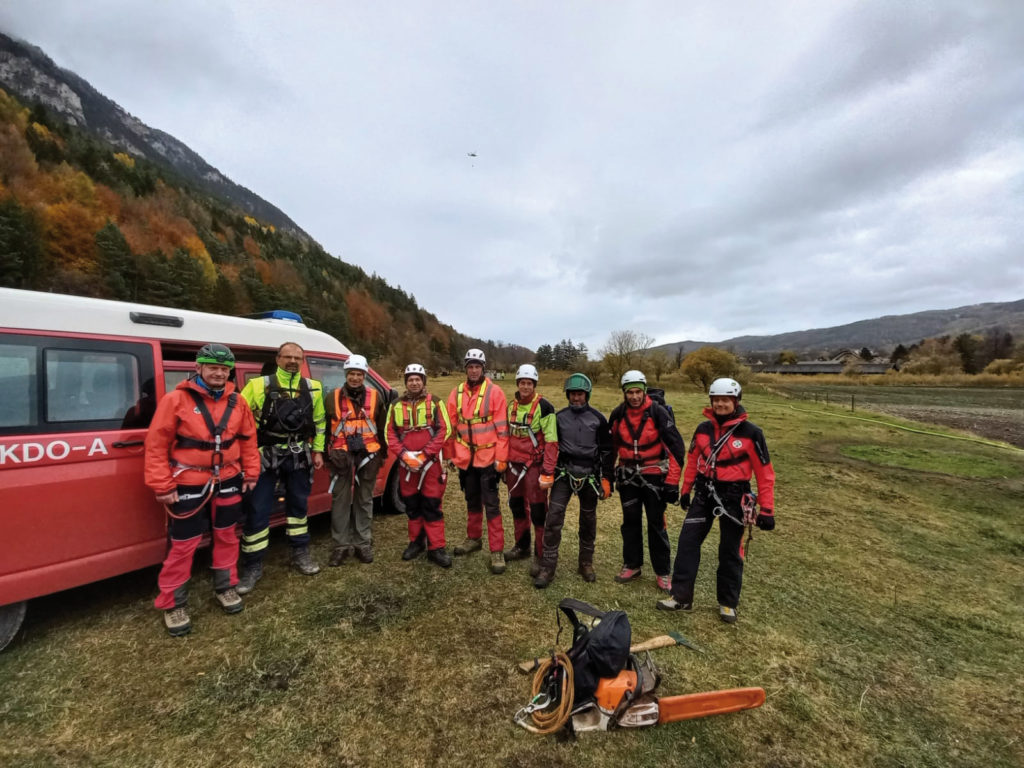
(694,170)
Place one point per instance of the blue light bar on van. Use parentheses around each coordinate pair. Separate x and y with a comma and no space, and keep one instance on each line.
(277,314)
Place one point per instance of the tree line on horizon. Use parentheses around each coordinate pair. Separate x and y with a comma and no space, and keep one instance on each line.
(81,217)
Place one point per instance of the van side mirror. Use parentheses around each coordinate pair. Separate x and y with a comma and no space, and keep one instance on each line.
(393,396)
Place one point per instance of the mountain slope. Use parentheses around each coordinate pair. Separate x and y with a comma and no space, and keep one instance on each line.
(32,76)
(878,334)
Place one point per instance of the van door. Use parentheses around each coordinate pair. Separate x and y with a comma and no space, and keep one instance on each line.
(73,507)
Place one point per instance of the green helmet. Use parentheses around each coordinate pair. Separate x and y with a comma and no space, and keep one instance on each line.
(216,354)
(578,383)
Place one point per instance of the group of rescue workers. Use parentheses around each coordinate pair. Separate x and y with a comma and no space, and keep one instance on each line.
(215,456)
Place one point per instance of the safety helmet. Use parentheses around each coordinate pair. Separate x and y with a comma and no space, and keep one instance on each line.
(356,363)
(633,379)
(527,371)
(474,356)
(415,369)
(578,383)
(725,388)
(216,354)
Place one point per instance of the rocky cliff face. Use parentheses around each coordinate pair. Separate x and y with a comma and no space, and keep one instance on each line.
(31,75)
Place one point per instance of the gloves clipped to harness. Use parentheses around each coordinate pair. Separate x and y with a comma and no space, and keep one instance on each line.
(500,466)
(670,493)
(684,501)
(414,460)
(606,488)
(546,481)
(766,520)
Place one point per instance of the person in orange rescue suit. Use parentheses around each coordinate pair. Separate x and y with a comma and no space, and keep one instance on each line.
(650,455)
(289,413)
(200,457)
(585,462)
(727,450)
(417,429)
(356,415)
(532,455)
(479,449)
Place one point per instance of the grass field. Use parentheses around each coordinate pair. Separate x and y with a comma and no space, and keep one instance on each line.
(884,616)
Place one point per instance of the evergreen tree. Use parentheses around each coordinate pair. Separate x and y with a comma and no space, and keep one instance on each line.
(20,247)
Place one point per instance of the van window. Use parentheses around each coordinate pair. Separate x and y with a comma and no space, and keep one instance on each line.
(330,373)
(17,385)
(89,385)
(64,384)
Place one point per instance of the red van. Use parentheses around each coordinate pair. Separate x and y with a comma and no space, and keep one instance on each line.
(79,382)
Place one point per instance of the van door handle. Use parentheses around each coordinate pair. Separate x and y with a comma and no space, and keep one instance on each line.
(127,443)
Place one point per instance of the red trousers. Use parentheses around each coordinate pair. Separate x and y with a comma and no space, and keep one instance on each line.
(422,493)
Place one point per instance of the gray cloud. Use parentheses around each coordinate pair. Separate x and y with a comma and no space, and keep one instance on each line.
(696,172)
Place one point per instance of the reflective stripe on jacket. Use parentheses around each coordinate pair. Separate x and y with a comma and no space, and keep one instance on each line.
(168,464)
(533,433)
(255,394)
(420,424)
(479,420)
(355,421)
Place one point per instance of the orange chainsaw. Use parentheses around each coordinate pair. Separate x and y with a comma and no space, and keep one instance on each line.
(624,701)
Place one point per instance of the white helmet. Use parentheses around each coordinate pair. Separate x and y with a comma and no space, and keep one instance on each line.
(527,371)
(356,363)
(725,388)
(635,378)
(475,356)
(415,369)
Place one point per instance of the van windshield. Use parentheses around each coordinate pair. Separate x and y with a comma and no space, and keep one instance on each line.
(331,373)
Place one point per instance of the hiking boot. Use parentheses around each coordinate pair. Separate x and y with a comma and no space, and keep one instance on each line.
(230,601)
(414,550)
(727,614)
(627,574)
(468,546)
(544,577)
(671,604)
(534,567)
(303,563)
(177,622)
(440,557)
(497,562)
(364,554)
(339,555)
(586,570)
(517,553)
(664,583)
(248,578)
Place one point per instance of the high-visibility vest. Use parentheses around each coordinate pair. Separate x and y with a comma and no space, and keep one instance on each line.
(352,421)
(523,428)
(478,431)
(418,416)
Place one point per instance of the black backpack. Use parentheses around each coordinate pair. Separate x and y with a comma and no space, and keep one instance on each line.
(598,651)
(658,396)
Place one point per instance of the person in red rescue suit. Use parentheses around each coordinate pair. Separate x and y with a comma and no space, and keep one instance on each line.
(200,457)
(727,450)
(650,454)
(479,449)
(356,416)
(532,455)
(417,429)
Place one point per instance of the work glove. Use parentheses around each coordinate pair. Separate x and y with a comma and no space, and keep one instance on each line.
(684,501)
(546,481)
(606,488)
(766,520)
(670,493)
(414,460)
(500,466)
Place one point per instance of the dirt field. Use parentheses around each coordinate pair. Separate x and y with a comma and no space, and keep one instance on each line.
(997,414)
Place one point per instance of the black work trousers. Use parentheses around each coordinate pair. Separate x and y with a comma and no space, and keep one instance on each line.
(695,529)
(637,500)
(561,493)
